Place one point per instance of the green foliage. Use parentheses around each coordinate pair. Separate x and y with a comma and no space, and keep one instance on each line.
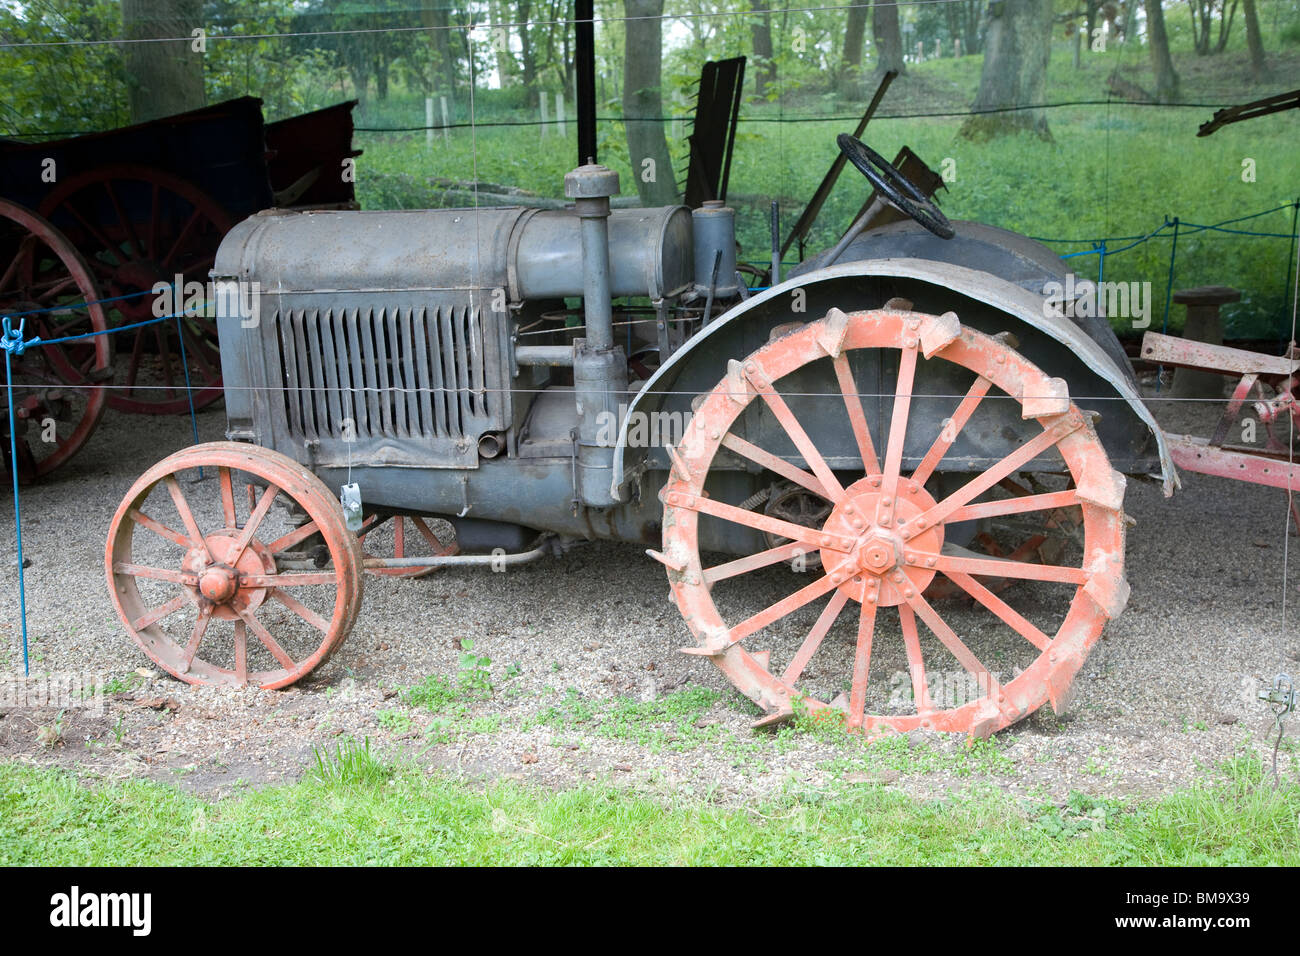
(374,814)
(674,721)
(349,764)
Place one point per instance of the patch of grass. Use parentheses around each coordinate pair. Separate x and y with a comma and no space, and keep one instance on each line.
(898,753)
(394,720)
(340,816)
(349,764)
(674,721)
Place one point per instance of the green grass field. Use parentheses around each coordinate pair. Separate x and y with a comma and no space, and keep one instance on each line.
(354,809)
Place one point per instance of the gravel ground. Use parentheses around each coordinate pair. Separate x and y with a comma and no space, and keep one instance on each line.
(598,691)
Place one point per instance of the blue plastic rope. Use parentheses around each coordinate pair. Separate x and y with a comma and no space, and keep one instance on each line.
(12,344)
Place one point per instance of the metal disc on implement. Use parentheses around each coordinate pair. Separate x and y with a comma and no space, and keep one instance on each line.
(854,631)
(216,576)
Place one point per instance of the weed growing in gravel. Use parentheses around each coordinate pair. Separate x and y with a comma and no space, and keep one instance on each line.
(898,753)
(350,764)
(472,669)
(675,721)
(394,720)
(1081,814)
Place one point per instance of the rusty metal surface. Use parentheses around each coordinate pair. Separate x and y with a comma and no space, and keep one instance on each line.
(883,542)
(1186,353)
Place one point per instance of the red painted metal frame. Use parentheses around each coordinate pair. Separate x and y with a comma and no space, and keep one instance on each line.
(883,540)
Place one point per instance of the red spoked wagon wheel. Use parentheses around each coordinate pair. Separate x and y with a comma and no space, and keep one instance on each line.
(405,536)
(136,227)
(972,669)
(219,597)
(48,287)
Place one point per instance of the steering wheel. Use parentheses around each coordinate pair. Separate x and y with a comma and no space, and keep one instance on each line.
(894,186)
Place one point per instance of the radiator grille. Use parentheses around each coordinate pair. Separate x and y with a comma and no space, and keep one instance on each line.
(397,372)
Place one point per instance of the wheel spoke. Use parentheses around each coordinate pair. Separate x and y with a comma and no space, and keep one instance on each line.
(862,663)
(437,546)
(255,519)
(1000,568)
(857,417)
(187,516)
(296,536)
(1017,505)
(782,529)
(399,539)
(752,562)
(1009,615)
(950,640)
(227,497)
(951,429)
(773,463)
(915,663)
(780,609)
(814,639)
(127,228)
(158,613)
(180,238)
(304,612)
(158,528)
(785,417)
(133,367)
(898,421)
(977,486)
(241,653)
(154,574)
(263,635)
(200,628)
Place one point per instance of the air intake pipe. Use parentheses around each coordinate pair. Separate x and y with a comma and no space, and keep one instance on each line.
(599,368)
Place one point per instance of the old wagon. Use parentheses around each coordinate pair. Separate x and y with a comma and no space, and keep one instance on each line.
(90,225)
(891,484)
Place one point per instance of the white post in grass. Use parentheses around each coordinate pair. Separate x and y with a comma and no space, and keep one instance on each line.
(559,113)
(428,122)
(446,121)
(541,98)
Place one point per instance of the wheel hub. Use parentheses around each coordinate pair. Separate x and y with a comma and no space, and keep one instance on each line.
(876,569)
(218,581)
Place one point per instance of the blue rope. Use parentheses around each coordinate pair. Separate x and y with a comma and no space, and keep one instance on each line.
(12,344)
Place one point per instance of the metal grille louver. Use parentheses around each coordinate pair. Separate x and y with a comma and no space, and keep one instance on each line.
(397,373)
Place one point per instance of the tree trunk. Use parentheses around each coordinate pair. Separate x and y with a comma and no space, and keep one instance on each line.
(438,21)
(1161,63)
(888,39)
(1254,42)
(162,78)
(527,52)
(760,31)
(855,30)
(1016,49)
(647,148)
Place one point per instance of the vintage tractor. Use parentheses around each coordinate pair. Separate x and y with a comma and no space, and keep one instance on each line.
(907,426)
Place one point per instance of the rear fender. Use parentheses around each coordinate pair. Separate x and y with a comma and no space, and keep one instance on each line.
(1133,440)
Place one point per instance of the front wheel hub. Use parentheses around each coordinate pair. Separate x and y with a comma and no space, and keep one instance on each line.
(877,566)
